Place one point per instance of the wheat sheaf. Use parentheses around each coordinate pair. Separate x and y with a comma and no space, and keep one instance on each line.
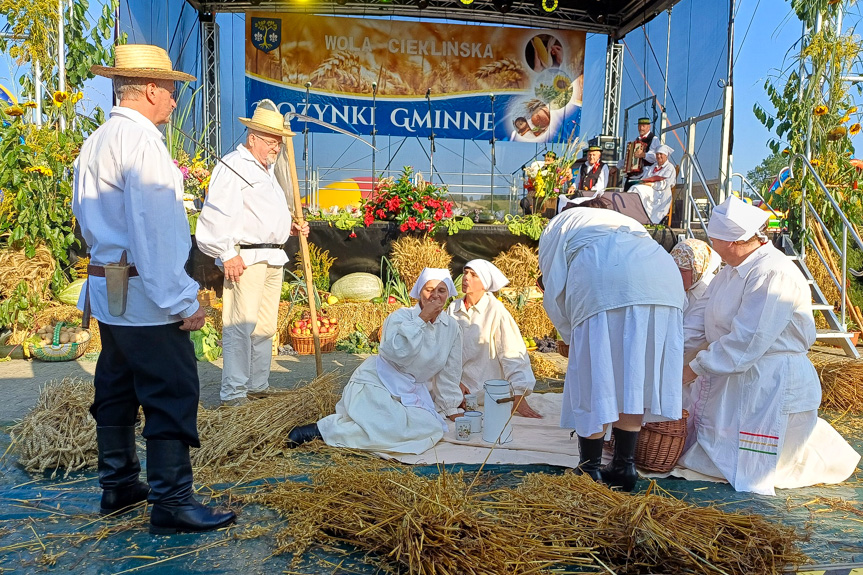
(505,73)
(342,71)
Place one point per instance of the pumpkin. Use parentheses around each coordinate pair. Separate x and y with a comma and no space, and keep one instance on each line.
(358,286)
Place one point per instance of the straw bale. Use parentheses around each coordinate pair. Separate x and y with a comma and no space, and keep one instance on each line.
(15,267)
(825,282)
(520,264)
(411,255)
(546,368)
(532,321)
(352,316)
(59,432)
(249,441)
(841,381)
(450,524)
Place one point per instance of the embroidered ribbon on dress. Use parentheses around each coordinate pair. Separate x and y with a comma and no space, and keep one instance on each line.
(758,443)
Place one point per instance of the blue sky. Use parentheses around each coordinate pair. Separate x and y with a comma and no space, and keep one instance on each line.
(765,31)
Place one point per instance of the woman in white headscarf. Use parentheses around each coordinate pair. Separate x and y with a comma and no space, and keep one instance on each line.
(397,401)
(616,298)
(698,265)
(655,185)
(492,347)
(756,417)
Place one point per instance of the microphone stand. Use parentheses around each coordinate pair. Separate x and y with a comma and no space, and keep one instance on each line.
(306,145)
(492,151)
(431,136)
(374,129)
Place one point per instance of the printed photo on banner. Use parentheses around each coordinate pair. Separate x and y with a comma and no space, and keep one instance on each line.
(409,78)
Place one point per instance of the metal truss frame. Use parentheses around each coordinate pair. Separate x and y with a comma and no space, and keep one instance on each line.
(211,112)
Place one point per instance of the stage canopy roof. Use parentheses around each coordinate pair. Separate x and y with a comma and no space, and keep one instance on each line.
(612,17)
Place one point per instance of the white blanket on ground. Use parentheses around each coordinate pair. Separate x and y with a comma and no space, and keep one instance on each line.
(535,441)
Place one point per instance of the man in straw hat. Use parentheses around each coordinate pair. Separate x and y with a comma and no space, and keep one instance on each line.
(244,224)
(128,199)
(655,185)
(756,422)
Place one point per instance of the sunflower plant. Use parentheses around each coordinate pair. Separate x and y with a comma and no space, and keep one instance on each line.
(822,100)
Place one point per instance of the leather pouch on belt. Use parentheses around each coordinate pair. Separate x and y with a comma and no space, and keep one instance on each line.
(117,283)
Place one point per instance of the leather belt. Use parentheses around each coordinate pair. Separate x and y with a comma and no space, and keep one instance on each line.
(261,246)
(99,271)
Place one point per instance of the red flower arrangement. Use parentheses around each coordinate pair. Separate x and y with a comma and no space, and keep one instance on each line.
(415,204)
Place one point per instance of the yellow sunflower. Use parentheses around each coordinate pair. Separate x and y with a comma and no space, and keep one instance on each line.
(815,162)
(42,170)
(854,130)
(786,151)
(60,96)
(820,110)
(14,111)
(76,97)
(29,104)
(561,82)
(851,110)
(844,119)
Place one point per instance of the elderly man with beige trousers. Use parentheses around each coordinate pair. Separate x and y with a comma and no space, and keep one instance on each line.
(244,224)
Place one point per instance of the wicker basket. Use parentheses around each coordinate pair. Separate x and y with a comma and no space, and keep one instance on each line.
(562,348)
(660,444)
(305,344)
(60,351)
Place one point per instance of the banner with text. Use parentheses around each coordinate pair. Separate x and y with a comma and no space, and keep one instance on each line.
(412,78)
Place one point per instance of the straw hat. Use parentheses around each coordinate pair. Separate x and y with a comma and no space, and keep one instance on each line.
(142,61)
(267,121)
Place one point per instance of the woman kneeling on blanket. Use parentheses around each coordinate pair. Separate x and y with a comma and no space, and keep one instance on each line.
(396,401)
(493,347)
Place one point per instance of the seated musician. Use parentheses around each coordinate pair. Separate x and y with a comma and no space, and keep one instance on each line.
(592,178)
(655,185)
(643,150)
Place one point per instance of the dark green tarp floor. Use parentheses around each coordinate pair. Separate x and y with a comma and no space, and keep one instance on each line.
(52,525)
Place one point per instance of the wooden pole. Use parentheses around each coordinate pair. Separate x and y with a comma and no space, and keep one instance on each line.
(304,248)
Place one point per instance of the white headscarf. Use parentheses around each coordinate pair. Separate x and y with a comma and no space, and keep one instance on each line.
(663,149)
(734,220)
(492,278)
(430,274)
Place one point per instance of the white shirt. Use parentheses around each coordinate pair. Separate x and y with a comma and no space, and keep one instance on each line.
(428,352)
(668,172)
(236,213)
(615,262)
(601,181)
(492,347)
(128,195)
(756,319)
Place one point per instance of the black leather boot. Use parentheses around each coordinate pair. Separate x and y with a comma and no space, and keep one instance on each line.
(175,509)
(303,434)
(119,469)
(590,457)
(621,471)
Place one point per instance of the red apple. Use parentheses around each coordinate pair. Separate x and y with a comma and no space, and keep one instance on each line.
(323,330)
(296,331)
(334,321)
(391,299)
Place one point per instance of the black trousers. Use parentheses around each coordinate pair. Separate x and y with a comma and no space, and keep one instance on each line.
(150,366)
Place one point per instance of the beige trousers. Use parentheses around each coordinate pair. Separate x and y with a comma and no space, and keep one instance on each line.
(250,310)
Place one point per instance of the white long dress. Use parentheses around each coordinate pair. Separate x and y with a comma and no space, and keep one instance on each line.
(656,197)
(395,401)
(492,347)
(755,417)
(617,297)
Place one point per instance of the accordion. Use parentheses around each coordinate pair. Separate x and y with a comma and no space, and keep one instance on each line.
(632,165)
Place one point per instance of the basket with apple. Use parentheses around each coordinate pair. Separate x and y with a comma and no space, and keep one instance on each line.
(301,333)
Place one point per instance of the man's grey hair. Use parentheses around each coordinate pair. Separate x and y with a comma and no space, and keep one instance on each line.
(129,88)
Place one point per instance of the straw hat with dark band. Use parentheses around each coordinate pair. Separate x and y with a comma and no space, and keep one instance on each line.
(267,121)
(142,61)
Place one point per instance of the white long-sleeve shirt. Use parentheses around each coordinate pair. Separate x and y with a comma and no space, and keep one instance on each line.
(128,195)
(236,213)
(429,352)
(667,172)
(492,347)
(594,260)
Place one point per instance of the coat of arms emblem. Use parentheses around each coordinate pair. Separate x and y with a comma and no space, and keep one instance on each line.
(266,33)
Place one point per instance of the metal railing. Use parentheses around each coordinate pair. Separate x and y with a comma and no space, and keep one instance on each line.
(808,208)
(755,192)
(691,162)
(465,189)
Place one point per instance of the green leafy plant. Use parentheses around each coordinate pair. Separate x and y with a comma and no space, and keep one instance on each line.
(206,342)
(294,291)
(457,224)
(393,284)
(320,263)
(529,225)
(357,342)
